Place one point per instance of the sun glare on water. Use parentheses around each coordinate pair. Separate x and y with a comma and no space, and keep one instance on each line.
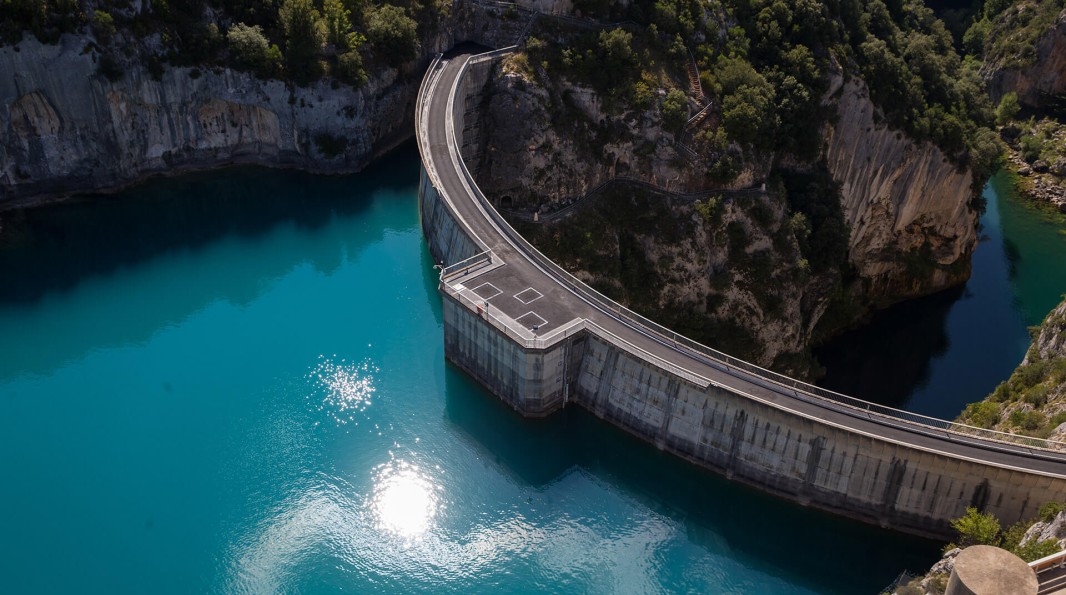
(404,501)
(345,388)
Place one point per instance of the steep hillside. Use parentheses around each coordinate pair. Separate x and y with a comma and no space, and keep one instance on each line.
(846,210)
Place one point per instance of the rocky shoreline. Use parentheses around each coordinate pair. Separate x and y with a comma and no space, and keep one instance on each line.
(1039,181)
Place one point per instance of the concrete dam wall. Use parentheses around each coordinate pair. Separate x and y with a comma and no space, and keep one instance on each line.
(758,430)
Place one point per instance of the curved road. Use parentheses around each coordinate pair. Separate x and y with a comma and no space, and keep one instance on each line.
(442,161)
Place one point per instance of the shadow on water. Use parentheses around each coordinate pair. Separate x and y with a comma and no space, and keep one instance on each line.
(55,248)
(58,252)
(904,339)
(720,517)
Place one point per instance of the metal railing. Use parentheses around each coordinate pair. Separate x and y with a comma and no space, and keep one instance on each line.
(466,265)
(1050,572)
(757,375)
(1049,563)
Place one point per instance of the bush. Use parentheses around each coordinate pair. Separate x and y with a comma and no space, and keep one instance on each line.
(983,414)
(252,50)
(675,110)
(976,528)
(393,34)
(1034,550)
(1008,108)
(350,69)
(1031,147)
(1050,510)
(103,25)
(304,36)
(1036,396)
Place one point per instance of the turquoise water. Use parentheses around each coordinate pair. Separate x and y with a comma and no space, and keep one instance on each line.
(235,382)
(953,348)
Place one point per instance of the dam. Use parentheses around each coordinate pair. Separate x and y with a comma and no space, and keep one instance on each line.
(541,340)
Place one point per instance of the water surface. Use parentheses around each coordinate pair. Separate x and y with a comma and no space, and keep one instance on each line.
(937,354)
(235,382)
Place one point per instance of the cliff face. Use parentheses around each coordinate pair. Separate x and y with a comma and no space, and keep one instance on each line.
(911,230)
(63,127)
(66,128)
(1042,77)
(908,207)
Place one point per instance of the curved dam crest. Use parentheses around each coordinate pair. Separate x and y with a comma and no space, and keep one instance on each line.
(541,340)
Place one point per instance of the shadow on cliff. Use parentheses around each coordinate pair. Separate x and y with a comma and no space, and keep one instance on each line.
(720,516)
(180,245)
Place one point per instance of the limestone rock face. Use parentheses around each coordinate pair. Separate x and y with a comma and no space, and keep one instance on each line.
(903,202)
(1046,76)
(539,162)
(66,128)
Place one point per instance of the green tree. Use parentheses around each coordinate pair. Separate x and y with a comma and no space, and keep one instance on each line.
(350,69)
(675,109)
(103,25)
(393,34)
(748,114)
(976,528)
(1008,108)
(304,36)
(252,50)
(338,21)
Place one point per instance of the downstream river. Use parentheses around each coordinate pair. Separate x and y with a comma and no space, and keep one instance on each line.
(935,355)
(235,382)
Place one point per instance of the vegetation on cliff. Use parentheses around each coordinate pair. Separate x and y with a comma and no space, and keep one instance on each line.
(297,40)
(1032,401)
(766,63)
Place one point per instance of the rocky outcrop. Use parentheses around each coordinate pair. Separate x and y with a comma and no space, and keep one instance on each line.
(1042,76)
(66,128)
(537,163)
(912,227)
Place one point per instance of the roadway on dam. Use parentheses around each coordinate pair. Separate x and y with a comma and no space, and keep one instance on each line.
(559,303)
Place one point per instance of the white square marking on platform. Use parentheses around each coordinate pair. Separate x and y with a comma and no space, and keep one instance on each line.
(487,291)
(528,296)
(531,320)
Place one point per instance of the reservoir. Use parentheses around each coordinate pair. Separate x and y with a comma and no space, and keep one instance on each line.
(235,382)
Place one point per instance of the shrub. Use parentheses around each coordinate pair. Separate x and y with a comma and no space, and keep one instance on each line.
(983,414)
(1050,510)
(338,20)
(350,69)
(1036,396)
(976,528)
(304,36)
(1034,550)
(103,25)
(1008,108)
(393,34)
(252,50)
(1031,146)
(675,110)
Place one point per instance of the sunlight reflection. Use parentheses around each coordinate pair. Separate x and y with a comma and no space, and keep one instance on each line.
(404,501)
(346,387)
